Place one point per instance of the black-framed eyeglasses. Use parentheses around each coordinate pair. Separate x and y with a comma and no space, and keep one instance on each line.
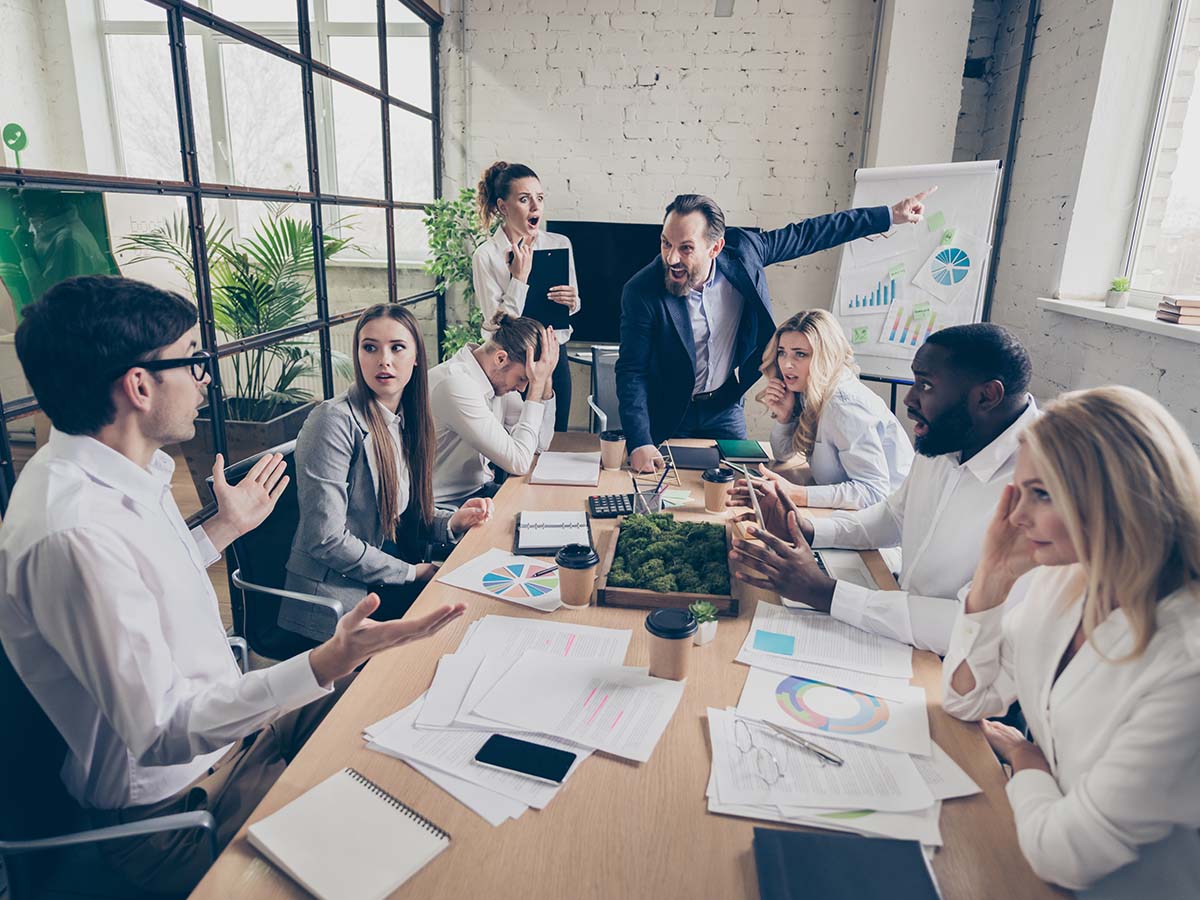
(201,362)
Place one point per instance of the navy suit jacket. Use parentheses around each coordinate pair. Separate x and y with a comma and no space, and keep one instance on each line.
(656,368)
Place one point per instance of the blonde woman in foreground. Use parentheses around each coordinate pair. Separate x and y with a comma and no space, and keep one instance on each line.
(856,449)
(1104,654)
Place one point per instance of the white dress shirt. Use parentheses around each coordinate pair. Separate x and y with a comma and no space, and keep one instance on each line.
(109,617)
(495,286)
(938,517)
(861,454)
(715,309)
(474,427)
(1117,817)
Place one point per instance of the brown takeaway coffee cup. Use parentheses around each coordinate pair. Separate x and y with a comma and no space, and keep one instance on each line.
(718,482)
(576,574)
(671,633)
(612,449)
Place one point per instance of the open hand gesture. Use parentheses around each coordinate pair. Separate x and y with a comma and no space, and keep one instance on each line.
(244,506)
(910,210)
(788,570)
(358,637)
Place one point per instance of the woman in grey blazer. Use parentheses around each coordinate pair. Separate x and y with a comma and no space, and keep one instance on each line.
(364,476)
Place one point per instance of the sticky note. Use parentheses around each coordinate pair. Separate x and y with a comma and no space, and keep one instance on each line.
(774,642)
(936,221)
(896,271)
(947,236)
(859,336)
(920,312)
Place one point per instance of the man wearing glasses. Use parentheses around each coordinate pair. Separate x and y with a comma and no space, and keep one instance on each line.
(106,611)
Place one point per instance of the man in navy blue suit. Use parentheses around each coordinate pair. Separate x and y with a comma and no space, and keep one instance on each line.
(695,321)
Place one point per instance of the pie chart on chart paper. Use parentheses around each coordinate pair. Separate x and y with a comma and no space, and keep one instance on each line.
(832,709)
(950,266)
(518,581)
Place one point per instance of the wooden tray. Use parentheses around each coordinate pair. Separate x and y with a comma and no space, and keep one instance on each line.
(640,598)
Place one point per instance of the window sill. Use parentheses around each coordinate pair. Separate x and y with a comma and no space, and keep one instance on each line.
(366,262)
(1129,317)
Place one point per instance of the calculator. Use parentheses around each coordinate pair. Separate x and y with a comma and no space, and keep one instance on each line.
(609,506)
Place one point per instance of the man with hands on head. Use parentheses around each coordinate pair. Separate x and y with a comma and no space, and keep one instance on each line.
(695,321)
(479,417)
(970,405)
(106,611)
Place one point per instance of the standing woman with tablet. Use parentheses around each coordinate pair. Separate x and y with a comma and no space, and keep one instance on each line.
(1103,652)
(857,451)
(512,194)
(364,475)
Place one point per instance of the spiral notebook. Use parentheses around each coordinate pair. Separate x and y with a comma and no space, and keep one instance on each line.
(348,839)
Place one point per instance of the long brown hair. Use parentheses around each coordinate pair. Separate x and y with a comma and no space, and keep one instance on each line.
(832,355)
(416,429)
(494,185)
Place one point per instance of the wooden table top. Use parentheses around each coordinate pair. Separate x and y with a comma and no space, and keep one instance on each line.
(617,829)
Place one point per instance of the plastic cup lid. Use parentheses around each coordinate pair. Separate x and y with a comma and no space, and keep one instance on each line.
(718,474)
(576,556)
(671,623)
(613,435)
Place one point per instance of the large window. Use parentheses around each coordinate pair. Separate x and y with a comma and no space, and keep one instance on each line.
(302,150)
(1165,251)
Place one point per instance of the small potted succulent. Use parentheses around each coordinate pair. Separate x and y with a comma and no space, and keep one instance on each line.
(1118,294)
(706,618)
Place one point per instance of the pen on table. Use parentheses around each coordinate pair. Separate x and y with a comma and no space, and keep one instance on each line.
(545,571)
(663,477)
(806,744)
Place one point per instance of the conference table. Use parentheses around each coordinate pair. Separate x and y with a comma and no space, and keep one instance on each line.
(617,828)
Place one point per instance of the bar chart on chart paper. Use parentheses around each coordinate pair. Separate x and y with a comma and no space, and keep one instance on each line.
(871,293)
(908,327)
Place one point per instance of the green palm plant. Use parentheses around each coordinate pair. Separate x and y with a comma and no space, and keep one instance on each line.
(260,284)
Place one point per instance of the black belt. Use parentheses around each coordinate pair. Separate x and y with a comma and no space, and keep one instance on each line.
(705,396)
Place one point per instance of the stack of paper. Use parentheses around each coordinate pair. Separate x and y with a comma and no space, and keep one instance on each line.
(439,733)
(567,468)
(848,692)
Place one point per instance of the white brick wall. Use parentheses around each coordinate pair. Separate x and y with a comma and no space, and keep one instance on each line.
(621,104)
(1068,353)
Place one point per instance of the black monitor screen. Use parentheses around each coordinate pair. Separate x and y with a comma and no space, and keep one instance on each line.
(607,254)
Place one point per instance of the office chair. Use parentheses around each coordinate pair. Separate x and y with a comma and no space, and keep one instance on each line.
(603,399)
(45,842)
(259,558)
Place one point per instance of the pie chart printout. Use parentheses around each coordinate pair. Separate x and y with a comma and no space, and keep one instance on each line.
(832,709)
(519,582)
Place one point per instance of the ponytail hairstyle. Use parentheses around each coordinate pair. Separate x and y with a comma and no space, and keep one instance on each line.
(494,185)
(513,335)
(832,356)
(416,427)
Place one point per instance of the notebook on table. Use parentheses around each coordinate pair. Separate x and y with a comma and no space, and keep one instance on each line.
(545,532)
(744,451)
(796,865)
(554,467)
(692,457)
(348,839)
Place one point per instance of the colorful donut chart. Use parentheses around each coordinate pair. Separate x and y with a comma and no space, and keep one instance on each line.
(870,715)
(517,582)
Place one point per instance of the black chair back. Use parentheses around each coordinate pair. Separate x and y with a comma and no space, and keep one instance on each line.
(33,801)
(262,557)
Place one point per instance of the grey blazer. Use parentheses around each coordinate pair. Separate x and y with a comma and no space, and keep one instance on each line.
(337,548)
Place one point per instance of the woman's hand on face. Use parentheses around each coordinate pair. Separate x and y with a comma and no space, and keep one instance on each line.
(473,512)
(779,400)
(520,260)
(1006,556)
(565,294)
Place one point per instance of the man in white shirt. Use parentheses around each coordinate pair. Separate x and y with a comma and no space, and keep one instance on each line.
(474,422)
(106,611)
(970,406)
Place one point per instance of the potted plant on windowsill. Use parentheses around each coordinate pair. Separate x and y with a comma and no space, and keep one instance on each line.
(706,618)
(1118,294)
(454,233)
(260,284)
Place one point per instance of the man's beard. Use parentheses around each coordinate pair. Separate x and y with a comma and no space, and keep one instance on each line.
(947,434)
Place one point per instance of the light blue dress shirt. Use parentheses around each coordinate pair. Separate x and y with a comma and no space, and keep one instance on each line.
(715,310)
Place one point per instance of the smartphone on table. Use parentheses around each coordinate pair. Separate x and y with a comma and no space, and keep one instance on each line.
(537,761)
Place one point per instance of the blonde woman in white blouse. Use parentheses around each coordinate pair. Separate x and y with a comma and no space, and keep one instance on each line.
(857,452)
(1104,653)
(512,194)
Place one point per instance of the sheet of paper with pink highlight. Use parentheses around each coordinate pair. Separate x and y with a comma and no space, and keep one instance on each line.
(618,709)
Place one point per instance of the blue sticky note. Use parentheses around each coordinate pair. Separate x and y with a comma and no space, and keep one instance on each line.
(773,642)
